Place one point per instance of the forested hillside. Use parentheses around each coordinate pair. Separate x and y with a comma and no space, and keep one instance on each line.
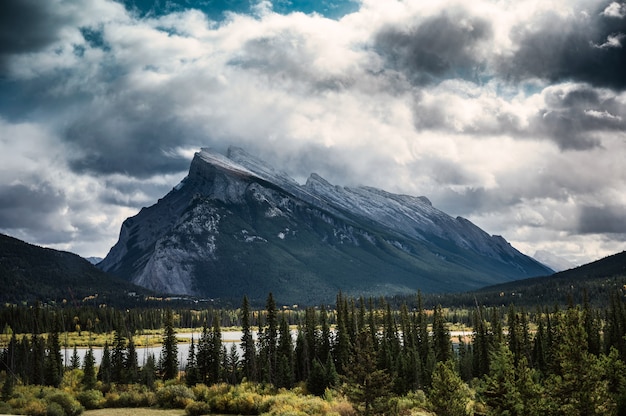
(30,273)
(591,282)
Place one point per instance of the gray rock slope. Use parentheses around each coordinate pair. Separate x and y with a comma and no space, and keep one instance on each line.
(236,226)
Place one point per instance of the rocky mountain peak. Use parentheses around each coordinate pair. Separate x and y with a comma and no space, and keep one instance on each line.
(237,225)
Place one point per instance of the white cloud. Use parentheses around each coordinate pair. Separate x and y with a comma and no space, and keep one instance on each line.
(313,94)
(615,9)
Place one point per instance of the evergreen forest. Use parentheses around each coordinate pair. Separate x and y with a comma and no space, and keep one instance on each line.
(356,357)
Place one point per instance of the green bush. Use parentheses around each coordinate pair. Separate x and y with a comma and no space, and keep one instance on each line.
(55,409)
(197,408)
(290,404)
(175,396)
(70,405)
(207,393)
(91,399)
(35,408)
(5,408)
(342,409)
(247,403)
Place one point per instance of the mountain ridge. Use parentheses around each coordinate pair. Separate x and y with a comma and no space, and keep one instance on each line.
(235,225)
(32,273)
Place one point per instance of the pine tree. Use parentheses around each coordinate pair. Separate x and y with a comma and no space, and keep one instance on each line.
(482,344)
(131,363)
(53,362)
(449,395)
(368,388)
(310,335)
(214,357)
(192,375)
(89,370)
(422,340)
(118,358)
(578,387)
(202,356)
(75,359)
(271,336)
(442,344)
(323,348)
(539,353)
(232,370)
(499,390)
(302,368)
(7,387)
(104,372)
(342,346)
(169,351)
(148,372)
(285,369)
(316,383)
(247,343)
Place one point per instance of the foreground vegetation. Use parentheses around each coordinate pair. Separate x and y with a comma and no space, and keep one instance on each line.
(361,357)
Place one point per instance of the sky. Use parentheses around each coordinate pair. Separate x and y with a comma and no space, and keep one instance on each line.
(509,113)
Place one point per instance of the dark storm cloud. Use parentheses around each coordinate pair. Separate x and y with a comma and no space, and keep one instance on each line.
(28,26)
(34,206)
(123,138)
(604,219)
(572,116)
(586,47)
(439,47)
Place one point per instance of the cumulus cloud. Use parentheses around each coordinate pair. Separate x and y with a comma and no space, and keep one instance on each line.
(511,114)
(435,48)
(584,45)
(602,219)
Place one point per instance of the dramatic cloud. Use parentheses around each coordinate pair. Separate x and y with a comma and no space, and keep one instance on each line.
(512,114)
(602,219)
(442,46)
(584,45)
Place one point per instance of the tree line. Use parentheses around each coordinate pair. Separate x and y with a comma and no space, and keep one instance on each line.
(549,361)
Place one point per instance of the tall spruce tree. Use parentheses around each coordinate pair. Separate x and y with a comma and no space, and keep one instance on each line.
(579,386)
(342,345)
(268,341)
(247,343)
(118,358)
(104,372)
(448,394)
(53,362)
(131,363)
(169,351)
(148,374)
(367,387)
(192,375)
(214,357)
(75,359)
(285,370)
(442,344)
(89,370)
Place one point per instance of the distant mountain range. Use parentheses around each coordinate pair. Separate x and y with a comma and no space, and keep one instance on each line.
(554,262)
(237,226)
(31,273)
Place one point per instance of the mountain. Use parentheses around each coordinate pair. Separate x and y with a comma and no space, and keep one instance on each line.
(29,273)
(93,260)
(595,280)
(237,226)
(553,261)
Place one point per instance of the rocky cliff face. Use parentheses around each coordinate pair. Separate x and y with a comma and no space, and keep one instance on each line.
(237,226)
